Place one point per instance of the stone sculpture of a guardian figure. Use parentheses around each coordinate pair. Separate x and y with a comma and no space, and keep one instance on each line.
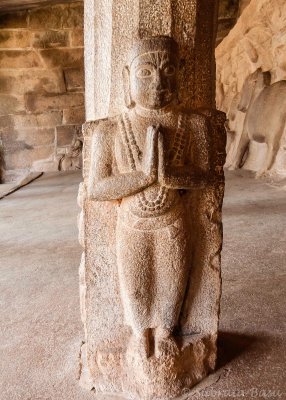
(146,162)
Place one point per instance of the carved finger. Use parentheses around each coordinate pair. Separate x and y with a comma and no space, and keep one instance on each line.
(160,145)
(161,156)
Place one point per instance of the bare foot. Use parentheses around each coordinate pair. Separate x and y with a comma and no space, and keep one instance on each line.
(164,342)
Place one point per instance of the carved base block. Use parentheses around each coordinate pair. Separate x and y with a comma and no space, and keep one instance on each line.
(168,371)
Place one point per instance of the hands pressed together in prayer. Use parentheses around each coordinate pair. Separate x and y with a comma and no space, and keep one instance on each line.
(154,158)
(154,162)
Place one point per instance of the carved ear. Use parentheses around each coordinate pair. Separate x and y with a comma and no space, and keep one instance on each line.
(126,84)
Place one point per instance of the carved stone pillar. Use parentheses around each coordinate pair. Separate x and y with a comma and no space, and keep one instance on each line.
(150,273)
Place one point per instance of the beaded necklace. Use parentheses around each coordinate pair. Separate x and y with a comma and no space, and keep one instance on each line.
(134,156)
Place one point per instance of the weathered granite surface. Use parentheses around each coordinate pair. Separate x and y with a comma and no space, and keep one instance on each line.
(151,199)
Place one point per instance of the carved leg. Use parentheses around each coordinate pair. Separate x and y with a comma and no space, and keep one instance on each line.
(241,150)
(171,272)
(230,139)
(135,262)
(164,342)
(231,153)
(230,148)
(272,150)
(143,344)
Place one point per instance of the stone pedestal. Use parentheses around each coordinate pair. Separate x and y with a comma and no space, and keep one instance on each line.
(112,361)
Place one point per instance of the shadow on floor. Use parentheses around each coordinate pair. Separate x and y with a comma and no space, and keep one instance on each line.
(232,345)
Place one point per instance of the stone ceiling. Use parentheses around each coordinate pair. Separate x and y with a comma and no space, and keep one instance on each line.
(13,5)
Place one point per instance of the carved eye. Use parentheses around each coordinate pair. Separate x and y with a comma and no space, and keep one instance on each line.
(169,70)
(143,73)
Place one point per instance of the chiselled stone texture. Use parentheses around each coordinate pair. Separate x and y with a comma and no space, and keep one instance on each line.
(251,84)
(41,86)
(151,198)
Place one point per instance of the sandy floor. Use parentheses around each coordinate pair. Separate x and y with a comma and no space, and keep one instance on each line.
(41,330)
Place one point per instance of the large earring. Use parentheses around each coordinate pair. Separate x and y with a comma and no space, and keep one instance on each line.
(126,83)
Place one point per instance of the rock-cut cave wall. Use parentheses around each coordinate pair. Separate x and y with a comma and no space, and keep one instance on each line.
(251,59)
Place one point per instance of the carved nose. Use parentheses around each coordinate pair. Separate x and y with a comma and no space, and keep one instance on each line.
(157,84)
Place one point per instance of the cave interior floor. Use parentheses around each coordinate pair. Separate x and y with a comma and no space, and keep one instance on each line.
(41,331)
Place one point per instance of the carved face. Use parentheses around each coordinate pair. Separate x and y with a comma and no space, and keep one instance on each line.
(153,80)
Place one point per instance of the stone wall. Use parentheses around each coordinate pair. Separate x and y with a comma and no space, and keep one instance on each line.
(41,86)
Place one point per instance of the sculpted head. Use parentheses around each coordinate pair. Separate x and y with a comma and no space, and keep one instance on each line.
(150,78)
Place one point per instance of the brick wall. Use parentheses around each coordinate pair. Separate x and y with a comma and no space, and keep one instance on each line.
(41,86)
